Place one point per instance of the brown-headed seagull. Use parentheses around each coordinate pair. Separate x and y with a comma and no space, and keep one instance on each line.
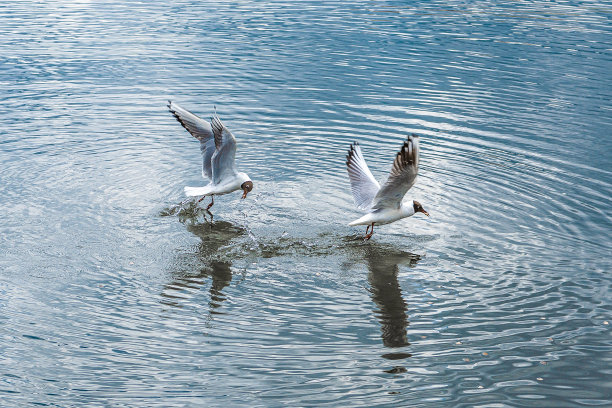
(218,147)
(384,204)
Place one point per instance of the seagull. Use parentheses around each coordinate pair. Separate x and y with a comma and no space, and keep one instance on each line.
(384,204)
(218,147)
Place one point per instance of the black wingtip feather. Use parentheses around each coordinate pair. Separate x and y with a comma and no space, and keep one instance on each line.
(351,152)
(177,117)
(180,121)
(406,156)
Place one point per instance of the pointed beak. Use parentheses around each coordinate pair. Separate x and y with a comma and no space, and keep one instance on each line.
(425,212)
(244,194)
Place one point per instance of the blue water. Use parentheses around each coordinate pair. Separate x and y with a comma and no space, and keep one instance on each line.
(112,293)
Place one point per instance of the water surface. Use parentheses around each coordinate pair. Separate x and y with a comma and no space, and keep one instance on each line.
(112,294)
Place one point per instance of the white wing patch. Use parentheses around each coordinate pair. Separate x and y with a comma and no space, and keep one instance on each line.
(363,184)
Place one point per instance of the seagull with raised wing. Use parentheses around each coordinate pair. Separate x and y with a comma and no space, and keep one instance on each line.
(384,204)
(218,147)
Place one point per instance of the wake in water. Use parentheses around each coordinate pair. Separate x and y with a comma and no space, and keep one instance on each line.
(231,240)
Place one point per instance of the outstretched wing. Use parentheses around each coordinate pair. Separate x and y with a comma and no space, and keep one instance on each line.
(201,130)
(403,175)
(363,184)
(223,161)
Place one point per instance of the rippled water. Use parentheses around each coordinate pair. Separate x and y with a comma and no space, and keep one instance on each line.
(112,294)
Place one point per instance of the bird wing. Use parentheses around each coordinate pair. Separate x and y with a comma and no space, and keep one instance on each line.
(363,184)
(403,175)
(201,130)
(223,160)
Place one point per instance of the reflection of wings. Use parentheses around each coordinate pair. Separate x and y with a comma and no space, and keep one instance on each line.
(363,184)
(201,130)
(224,158)
(403,175)
(192,270)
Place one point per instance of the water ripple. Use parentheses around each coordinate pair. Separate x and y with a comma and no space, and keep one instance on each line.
(118,291)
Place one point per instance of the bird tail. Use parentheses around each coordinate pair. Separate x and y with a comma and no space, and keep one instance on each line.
(365,220)
(197,191)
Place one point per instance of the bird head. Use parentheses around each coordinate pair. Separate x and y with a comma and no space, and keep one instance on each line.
(247,186)
(419,208)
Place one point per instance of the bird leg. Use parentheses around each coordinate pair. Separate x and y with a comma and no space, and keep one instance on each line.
(212,202)
(368,236)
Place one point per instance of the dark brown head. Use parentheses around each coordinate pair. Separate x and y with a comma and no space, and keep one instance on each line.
(419,208)
(247,186)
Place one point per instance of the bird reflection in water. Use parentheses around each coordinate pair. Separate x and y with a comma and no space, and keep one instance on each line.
(383,265)
(193,270)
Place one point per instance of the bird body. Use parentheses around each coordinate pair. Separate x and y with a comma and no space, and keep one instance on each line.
(227,186)
(218,148)
(385,216)
(384,204)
